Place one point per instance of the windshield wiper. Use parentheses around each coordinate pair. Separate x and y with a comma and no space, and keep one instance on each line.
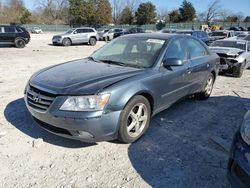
(93,59)
(114,62)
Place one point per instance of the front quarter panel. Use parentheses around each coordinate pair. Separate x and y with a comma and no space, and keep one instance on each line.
(123,91)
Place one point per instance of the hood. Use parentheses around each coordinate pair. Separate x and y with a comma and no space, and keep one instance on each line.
(81,77)
(226,51)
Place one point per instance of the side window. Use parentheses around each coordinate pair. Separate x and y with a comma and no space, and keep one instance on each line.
(1,29)
(9,29)
(90,30)
(176,50)
(19,30)
(195,49)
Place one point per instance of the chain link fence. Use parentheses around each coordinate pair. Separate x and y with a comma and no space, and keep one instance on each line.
(150,27)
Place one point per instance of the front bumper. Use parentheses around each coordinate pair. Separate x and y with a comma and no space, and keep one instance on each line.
(239,163)
(85,126)
(57,40)
(228,65)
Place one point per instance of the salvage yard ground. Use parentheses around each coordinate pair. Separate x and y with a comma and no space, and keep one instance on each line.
(185,146)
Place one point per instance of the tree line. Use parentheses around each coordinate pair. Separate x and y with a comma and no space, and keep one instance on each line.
(102,12)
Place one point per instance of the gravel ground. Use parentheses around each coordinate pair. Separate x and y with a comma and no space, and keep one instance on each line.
(185,146)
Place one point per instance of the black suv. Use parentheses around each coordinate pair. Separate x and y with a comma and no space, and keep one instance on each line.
(14,35)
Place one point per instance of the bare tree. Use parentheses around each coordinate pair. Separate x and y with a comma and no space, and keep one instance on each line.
(53,11)
(213,11)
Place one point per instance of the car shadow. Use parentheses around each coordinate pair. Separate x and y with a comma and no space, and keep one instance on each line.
(58,45)
(179,149)
(17,114)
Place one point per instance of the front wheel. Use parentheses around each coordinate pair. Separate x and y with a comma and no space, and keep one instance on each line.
(134,120)
(66,42)
(207,88)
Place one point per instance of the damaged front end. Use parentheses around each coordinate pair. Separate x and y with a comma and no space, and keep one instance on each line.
(228,62)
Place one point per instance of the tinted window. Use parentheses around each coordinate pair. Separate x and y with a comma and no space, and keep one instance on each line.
(19,29)
(175,50)
(89,30)
(195,48)
(1,29)
(9,29)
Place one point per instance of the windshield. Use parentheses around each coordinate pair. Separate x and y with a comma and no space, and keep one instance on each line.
(219,34)
(230,44)
(139,52)
(69,31)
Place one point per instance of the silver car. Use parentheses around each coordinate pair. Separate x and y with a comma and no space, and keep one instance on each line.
(234,55)
(77,36)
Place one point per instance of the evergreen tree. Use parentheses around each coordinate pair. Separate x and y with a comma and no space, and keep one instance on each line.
(174,16)
(146,14)
(187,11)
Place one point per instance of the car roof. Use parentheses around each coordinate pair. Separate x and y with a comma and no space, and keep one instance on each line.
(160,36)
(83,28)
(234,40)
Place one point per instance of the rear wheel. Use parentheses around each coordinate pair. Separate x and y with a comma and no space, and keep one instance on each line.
(207,88)
(20,43)
(135,119)
(92,41)
(66,42)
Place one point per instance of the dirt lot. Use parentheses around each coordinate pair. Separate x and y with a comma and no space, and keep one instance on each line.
(180,149)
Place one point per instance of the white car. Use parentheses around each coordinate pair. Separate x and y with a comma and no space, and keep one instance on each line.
(108,36)
(234,55)
(36,30)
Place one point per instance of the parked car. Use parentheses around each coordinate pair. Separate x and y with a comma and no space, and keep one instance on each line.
(234,54)
(101,33)
(14,35)
(36,30)
(113,93)
(167,31)
(239,161)
(77,36)
(202,35)
(234,29)
(108,36)
(242,28)
(128,31)
(221,34)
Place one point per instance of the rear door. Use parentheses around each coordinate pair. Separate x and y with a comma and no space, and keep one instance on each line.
(9,34)
(198,65)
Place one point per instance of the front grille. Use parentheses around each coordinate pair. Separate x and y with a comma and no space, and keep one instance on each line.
(53,128)
(38,99)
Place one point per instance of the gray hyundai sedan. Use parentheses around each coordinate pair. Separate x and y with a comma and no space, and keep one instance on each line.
(114,93)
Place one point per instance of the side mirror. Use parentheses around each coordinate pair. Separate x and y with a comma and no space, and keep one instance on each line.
(169,62)
(75,32)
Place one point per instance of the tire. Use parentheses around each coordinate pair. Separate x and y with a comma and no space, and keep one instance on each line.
(92,41)
(207,88)
(66,42)
(134,123)
(237,71)
(20,43)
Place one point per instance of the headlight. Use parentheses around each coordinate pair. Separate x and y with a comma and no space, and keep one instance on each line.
(85,103)
(245,128)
